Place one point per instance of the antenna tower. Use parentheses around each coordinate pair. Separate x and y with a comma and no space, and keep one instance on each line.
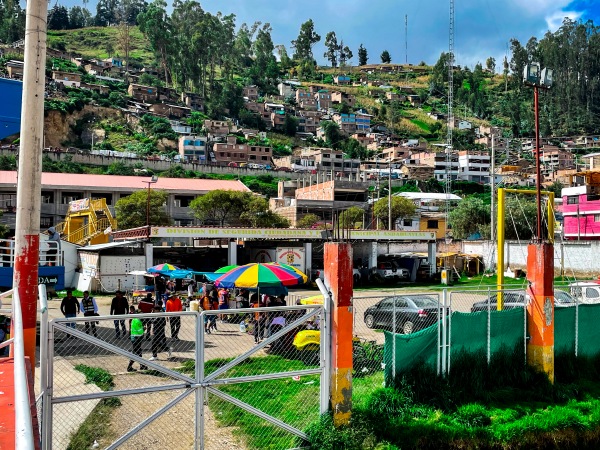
(406,37)
(449,150)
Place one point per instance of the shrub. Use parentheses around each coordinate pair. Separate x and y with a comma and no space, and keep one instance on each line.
(355,436)
(472,415)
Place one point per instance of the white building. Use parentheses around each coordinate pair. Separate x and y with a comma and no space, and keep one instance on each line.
(474,166)
(193,148)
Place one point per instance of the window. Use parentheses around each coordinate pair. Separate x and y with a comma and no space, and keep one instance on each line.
(572,200)
(591,293)
(596,217)
(407,223)
(70,196)
(432,224)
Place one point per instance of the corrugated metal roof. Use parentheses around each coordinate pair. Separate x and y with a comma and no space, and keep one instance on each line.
(98,247)
(128,183)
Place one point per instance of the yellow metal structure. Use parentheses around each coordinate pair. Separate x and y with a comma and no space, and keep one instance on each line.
(500,232)
(87,222)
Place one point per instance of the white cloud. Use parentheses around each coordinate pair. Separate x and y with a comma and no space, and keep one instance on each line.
(555,20)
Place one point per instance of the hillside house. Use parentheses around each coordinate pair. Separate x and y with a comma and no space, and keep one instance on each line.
(193,149)
(395,97)
(232,152)
(15,69)
(219,127)
(337,98)
(250,92)
(141,93)
(163,109)
(342,80)
(193,101)
(323,98)
(415,100)
(420,172)
(69,79)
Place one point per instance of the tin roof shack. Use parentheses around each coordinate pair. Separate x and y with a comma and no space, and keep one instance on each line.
(108,267)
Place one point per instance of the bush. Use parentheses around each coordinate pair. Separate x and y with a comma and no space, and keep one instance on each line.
(356,436)
(473,416)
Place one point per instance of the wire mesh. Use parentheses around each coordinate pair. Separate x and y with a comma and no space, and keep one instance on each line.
(91,358)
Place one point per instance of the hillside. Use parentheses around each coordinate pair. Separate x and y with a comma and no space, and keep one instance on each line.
(101,42)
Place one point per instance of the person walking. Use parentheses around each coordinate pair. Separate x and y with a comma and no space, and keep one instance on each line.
(259,323)
(174,305)
(159,339)
(118,307)
(90,309)
(137,336)
(223,301)
(69,307)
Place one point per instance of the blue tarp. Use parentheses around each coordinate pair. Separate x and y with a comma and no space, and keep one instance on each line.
(11,92)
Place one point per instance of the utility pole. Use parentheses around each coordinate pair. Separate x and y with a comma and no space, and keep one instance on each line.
(493,187)
(390,193)
(406,37)
(29,175)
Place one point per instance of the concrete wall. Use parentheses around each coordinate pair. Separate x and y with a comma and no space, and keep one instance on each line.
(575,258)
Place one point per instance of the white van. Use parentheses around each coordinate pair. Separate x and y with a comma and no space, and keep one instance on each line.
(586,291)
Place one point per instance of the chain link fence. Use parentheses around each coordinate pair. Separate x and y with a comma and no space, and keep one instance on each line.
(236,379)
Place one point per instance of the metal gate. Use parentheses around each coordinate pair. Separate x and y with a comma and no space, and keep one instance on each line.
(202,389)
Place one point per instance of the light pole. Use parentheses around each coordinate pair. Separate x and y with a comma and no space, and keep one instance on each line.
(537,78)
(152,180)
(92,131)
(390,192)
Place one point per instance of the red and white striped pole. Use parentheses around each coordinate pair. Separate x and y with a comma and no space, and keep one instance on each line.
(29,177)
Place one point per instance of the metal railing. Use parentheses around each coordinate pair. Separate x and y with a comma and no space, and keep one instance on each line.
(24,437)
(49,252)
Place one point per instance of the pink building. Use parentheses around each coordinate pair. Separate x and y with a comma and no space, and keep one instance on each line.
(581,212)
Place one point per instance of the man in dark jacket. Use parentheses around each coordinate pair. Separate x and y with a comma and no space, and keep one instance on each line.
(69,307)
(119,306)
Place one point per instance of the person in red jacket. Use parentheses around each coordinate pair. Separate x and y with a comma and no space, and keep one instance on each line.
(174,305)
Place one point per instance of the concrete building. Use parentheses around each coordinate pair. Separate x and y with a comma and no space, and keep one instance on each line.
(441,166)
(474,166)
(193,149)
(141,93)
(232,152)
(58,189)
(250,92)
(430,213)
(69,79)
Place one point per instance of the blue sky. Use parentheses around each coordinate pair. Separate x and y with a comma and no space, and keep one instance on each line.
(483,27)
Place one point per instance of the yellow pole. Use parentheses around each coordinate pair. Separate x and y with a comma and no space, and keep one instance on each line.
(551,217)
(500,238)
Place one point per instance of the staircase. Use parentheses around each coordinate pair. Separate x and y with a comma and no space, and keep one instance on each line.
(87,222)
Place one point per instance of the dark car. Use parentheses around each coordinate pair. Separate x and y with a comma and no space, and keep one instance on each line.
(518,299)
(412,313)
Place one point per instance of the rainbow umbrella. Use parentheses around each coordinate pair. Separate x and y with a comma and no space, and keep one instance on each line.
(291,268)
(258,275)
(163,268)
(226,268)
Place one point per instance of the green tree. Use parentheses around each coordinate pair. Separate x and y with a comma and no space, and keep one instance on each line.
(469,217)
(155,24)
(520,218)
(305,41)
(58,18)
(308,221)
(332,132)
(12,21)
(490,64)
(131,210)
(257,215)
(219,206)
(352,216)
(401,207)
(331,44)
(290,126)
(79,17)
(386,58)
(345,54)
(363,56)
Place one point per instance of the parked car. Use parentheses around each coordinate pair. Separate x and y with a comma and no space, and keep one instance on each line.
(518,299)
(413,313)
(283,169)
(391,269)
(586,291)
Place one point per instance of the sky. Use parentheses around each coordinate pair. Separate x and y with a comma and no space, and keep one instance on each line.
(483,28)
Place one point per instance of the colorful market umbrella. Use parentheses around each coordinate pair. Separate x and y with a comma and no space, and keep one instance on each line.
(163,268)
(226,268)
(257,275)
(292,268)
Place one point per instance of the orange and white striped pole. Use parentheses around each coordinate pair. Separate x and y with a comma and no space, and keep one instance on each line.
(29,176)
(338,277)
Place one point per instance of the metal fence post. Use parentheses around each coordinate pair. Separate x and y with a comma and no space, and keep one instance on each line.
(489,326)
(199,419)
(325,347)
(47,402)
(394,331)
(576,325)
(444,334)
(43,352)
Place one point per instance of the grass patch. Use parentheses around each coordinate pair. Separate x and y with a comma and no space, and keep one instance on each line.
(422,125)
(505,405)
(95,427)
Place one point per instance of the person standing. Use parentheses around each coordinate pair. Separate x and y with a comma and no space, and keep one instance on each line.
(54,248)
(137,336)
(69,307)
(159,339)
(223,301)
(159,288)
(174,305)
(90,309)
(118,307)
(146,306)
